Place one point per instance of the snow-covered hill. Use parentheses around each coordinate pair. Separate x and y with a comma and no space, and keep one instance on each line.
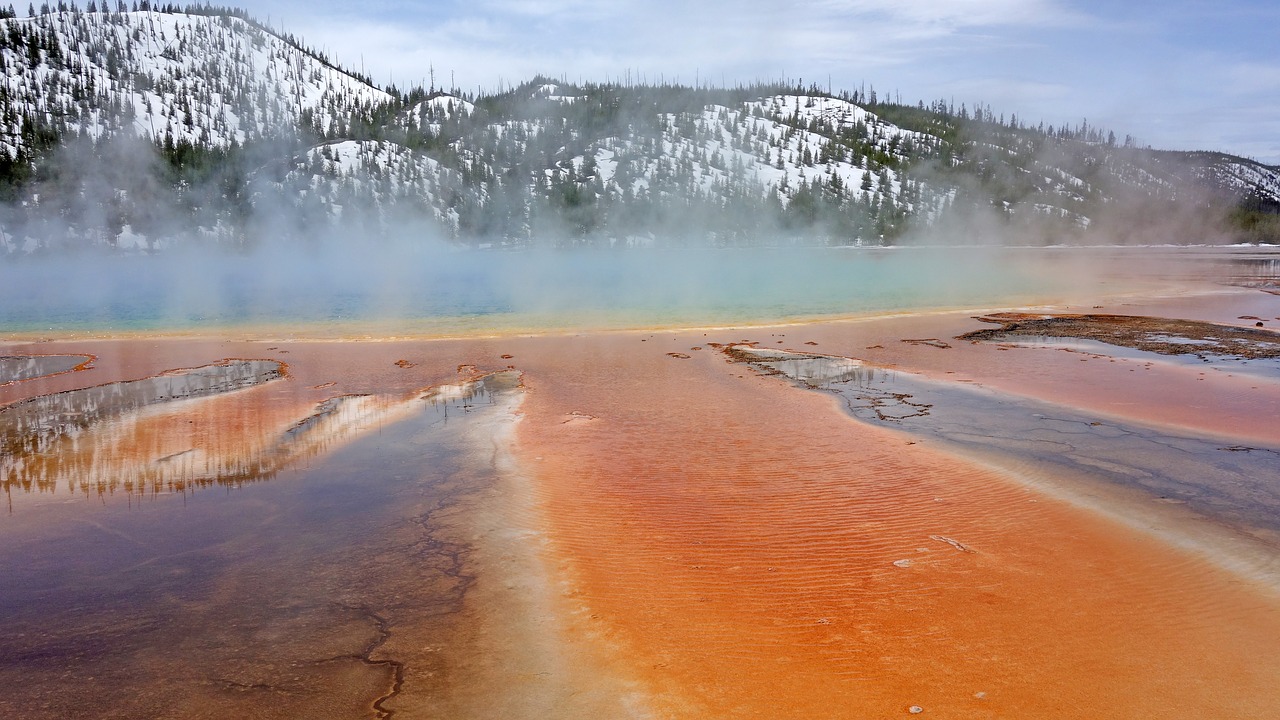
(369,179)
(247,128)
(213,79)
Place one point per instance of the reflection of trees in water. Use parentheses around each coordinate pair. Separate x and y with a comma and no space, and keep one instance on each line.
(33,425)
(105,440)
(53,437)
(1255,271)
(28,367)
(811,369)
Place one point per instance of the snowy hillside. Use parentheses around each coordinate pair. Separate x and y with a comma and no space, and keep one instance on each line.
(140,130)
(203,79)
(1241,175)
(368,178)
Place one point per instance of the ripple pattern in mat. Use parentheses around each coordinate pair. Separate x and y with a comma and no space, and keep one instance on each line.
(752,549)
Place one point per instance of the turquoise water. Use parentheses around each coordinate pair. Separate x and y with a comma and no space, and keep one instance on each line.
(436,290)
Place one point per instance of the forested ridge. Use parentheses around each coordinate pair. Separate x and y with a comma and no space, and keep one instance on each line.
(138,127)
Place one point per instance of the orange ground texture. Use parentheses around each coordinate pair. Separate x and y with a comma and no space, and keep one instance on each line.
(740,548)
(737,539)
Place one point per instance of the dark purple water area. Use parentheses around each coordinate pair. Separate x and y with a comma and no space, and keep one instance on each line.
(267,599)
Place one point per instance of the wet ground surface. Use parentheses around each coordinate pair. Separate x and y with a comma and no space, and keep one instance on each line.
(727,545)
(266,599)
(1206,341)
(1236,484)
(36,429)
(759,553)
(28,367)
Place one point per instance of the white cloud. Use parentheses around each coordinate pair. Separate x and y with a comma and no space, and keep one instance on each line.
(742,40)
(962,13)
(540,8)
(1252,78)
(1041,59)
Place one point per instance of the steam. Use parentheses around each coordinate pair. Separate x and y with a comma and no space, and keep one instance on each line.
(1030,191)
(378,274)
(411,288)
(113,236)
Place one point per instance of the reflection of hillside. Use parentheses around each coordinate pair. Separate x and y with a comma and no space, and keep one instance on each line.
(27,367)
(34,425)
(75,435)
(174,447)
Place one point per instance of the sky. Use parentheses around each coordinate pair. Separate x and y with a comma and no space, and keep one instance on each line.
(1178,74)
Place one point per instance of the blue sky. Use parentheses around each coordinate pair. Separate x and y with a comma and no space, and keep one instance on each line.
(1182,74)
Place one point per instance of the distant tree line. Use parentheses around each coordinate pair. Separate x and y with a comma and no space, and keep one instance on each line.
(540,162)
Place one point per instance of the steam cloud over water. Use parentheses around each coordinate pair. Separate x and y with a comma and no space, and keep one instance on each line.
(434,287)
(176,206)
(367,271)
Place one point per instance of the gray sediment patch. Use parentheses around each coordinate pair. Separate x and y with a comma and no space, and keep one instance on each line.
(1230,485)
(1164,336)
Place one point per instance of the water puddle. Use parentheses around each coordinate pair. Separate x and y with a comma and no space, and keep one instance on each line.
(1229,483)
(16,368)
(333,591)
(1261,272)
(74,439)
(1199,354)
(33,425)
(114,457)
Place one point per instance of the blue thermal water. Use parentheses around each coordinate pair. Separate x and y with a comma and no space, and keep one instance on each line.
(442,290)
(479,290)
